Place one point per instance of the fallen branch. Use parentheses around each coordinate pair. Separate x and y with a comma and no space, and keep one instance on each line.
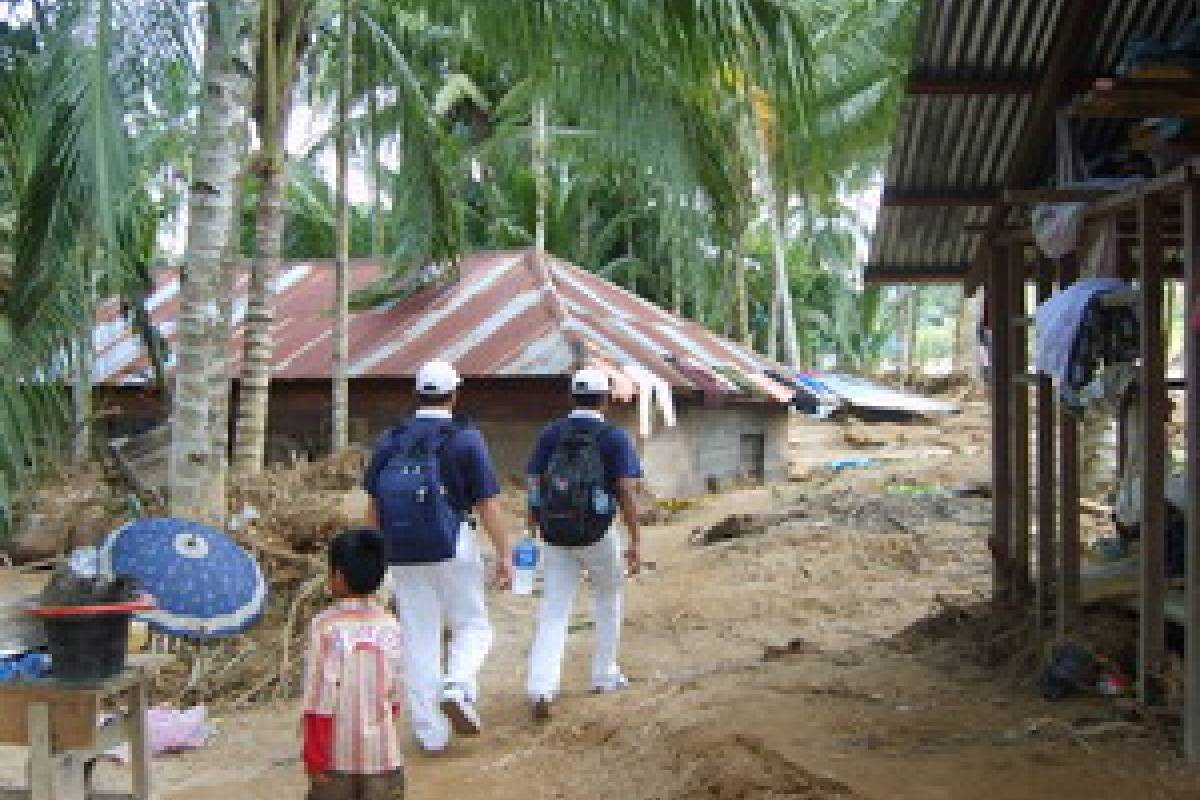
(310,588)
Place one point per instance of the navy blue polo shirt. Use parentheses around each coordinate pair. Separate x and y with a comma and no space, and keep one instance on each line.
(616,448)
(467,471)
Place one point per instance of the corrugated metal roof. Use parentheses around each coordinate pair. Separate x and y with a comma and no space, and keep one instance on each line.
(504,316)
(964,142)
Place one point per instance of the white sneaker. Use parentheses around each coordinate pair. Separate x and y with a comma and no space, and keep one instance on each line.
(464,718)
(613,684)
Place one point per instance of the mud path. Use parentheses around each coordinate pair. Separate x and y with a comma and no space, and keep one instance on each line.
(774,665)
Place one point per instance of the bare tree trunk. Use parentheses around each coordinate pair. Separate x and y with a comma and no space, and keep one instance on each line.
(197,488)
(341,383)
(540,147)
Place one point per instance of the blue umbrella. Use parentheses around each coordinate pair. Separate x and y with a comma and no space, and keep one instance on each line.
(203,583)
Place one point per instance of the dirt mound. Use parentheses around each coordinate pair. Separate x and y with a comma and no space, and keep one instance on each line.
(741,767)
(691,762)
(1001,640)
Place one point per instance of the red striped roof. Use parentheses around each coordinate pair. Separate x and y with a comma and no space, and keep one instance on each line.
(506,315)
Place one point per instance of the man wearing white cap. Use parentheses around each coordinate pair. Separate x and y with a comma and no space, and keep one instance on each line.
(428,479)
(582,471)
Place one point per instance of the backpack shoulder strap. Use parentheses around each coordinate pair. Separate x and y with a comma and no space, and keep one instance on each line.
(392,442)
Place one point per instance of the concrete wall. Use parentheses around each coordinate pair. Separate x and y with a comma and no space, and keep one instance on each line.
(705,446)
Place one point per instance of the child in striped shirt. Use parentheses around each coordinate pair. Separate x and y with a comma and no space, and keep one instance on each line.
(353,687)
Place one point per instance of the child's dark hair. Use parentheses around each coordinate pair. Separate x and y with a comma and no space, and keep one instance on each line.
(359,555)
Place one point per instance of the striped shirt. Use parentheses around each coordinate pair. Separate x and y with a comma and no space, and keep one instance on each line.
(353,690)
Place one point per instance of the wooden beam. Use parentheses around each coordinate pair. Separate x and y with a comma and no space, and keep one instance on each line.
(1151,385)
(1067,611)
(917,273)
(1045,469)
(1020,574)
(1051,195)
(896,197)
(1191,338)
(1000,296)
(998,84)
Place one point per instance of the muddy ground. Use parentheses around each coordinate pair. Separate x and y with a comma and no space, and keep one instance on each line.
(838,654)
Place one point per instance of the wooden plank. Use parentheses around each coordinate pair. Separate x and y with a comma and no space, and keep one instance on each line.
(1020,572)
(72,716)
(139,742)
(1191,294)
(1046,453)
(1067,612)
(1152,387)
(41,762)
(1000,297)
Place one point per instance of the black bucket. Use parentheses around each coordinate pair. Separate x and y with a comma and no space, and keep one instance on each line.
(87,648)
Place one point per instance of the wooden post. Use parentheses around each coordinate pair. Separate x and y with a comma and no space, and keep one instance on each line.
(1068,478)
(1152,386)
(1191,351)
(1045,467)
(1000,296)
(1019,575)
(139,740)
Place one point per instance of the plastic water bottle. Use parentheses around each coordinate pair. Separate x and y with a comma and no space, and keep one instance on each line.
(601,504)
(524,561)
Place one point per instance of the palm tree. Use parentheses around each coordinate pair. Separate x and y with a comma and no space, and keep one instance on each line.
(838,123)
(341,384)
(76,219)
(282,40)
(197,475)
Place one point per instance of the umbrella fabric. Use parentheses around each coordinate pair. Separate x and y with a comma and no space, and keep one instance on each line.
(204,584)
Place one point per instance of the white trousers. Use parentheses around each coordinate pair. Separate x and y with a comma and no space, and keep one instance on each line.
(428,597)
(605,566)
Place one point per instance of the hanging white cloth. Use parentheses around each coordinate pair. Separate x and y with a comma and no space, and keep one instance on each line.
(652,390)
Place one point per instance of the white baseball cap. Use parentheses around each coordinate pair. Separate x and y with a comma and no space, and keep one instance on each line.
(590,380)
(436,378)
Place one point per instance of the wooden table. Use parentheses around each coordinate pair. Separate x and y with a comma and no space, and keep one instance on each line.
(58,723)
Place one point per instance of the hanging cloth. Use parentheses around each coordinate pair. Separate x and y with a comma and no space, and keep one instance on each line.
(652,391)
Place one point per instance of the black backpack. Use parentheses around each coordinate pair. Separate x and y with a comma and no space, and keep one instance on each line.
(419,524)
(575,509)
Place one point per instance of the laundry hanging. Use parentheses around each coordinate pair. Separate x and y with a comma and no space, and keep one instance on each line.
(652,390)
(1074,332)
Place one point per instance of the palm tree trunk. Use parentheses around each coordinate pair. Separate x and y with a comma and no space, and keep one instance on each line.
(783,286)
(250,446)
(197,490)
(231,266)
(341,384)
(910,355)
(742,305)
(676,282)
(81,397)
(373,163)
(540,147)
